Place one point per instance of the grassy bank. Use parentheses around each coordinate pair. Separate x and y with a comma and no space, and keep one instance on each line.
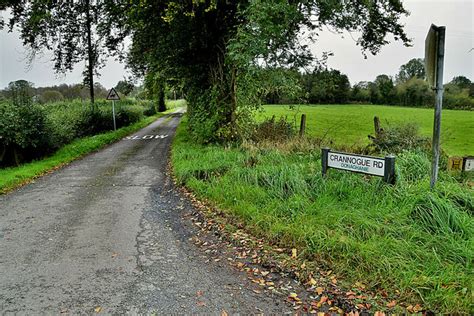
(403,238)
(350,124)
(13,177)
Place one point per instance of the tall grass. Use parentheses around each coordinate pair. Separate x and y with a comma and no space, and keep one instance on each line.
(401,237)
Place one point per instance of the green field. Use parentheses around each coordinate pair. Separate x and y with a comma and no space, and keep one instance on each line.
(350,124)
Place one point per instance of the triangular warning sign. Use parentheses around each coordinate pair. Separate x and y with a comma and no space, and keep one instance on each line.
(113,95)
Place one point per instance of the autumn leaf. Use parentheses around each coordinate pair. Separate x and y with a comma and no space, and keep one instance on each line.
(323,299)
(199,293)
(294,297)
(98,309)
(319,290)
(200,303)
(293,253)
(392,304)
(312,282)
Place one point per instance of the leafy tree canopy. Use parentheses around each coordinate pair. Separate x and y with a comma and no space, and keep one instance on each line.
(219,48)
(74,31)
(125,87)
(415,68)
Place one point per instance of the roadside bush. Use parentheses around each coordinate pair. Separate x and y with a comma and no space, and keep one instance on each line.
(399,138)
(128,115)
(149,109)
(273,130)
(23,133)
(31,131)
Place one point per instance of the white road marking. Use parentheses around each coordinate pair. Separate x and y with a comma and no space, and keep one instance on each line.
(145,137)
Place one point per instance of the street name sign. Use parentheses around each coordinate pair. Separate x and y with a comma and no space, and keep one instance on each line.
(375,166)
(113,95)
(468,164)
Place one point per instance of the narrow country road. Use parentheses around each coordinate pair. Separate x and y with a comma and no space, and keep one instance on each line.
(105,234)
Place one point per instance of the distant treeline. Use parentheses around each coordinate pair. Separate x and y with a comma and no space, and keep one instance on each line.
(24,92)
(408,88)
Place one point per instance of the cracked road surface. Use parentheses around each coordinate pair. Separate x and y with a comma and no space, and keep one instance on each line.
(107,231)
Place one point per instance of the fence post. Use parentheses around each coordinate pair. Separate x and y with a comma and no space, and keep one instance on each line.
(389,172)
(324,160)
(302,125)
(377,128)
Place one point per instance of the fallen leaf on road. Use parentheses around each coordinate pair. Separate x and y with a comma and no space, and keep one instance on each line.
(294,297)
(312,282)
(200,303)
(323,299)
(97,309)
(224,313)
(199,293)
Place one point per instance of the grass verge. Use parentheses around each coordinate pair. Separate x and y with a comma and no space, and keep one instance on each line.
(406,239)
(11,178)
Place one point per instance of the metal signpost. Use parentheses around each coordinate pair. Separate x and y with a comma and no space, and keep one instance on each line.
(375,166)
(113,95)
(434,64)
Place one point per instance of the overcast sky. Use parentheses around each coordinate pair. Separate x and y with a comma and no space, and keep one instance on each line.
(456,15)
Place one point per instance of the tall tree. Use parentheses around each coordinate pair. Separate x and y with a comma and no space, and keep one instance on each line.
(386,90)
(125,87)
(75,31)
(219,47)
(415,68)
(461,82)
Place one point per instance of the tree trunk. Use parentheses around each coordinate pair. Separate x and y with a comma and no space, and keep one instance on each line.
(90,52)
(16,157)
(234,96)
(2,154)
(161,97)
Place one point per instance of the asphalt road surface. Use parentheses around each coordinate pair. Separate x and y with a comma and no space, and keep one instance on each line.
(105,234)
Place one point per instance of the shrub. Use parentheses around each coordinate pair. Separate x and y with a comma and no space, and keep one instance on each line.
(274,130)
(398,138)
(23,133)
(128,115)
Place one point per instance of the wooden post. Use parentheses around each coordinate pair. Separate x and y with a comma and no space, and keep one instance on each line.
(324,160)
(389,172)
(377,128)
(302,125)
